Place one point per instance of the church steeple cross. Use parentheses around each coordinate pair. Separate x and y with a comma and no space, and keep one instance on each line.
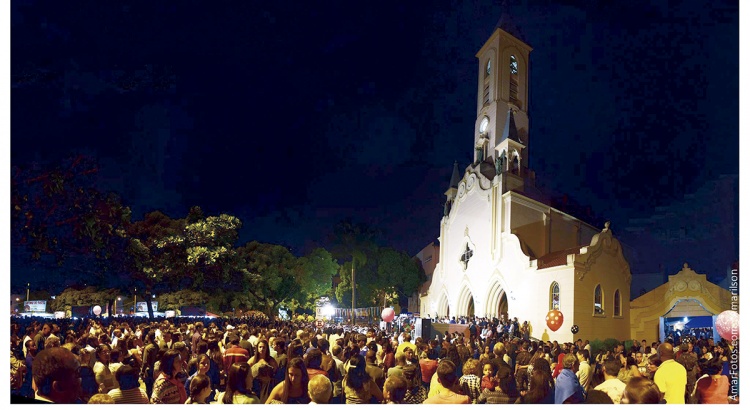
(468,253)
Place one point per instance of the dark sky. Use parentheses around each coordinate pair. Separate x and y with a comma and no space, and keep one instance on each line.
(295,115)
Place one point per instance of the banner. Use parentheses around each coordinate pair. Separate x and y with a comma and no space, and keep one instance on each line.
(143,307)
(35,306)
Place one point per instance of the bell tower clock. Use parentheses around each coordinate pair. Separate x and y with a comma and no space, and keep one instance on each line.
(502,87)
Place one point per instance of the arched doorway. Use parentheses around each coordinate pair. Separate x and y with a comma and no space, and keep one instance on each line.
(497,301)
(443,307)
(687,317)
(465,305)
(502,306)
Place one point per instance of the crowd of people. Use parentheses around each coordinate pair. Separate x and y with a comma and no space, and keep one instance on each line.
(184,360)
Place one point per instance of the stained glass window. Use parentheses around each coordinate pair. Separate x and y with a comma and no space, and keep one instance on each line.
(554,296)
(598,303)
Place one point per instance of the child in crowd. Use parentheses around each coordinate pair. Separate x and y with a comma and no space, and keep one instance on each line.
(488,380)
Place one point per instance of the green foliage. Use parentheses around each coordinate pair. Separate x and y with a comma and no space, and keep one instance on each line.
(316,280)
(628,344)
(597,347)
(88,296)
(272,274)
(184,297)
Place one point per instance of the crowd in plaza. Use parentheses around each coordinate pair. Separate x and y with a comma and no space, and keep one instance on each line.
(130,360)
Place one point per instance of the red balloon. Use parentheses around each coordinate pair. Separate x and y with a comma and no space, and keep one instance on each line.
(388,315)
(728,325)
(554,320)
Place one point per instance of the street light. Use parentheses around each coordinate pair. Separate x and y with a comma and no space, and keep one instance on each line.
(115,307)
(27,291)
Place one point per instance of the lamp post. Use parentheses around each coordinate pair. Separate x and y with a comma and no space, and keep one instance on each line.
(354,297)
(27,291)
(135,298)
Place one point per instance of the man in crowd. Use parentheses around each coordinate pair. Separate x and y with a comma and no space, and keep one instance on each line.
(42,336)
(567,388)
(373,370)
(584,369)
(55,375)
(670,377)
(446,394)
(612,385)
(235,354)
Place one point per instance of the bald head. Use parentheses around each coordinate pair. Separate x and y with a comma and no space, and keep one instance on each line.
(666,351)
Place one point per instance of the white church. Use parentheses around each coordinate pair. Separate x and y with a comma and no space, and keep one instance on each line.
(503,249)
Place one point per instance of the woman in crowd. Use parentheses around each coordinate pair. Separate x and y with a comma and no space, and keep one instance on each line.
(641,391)
(470,382)
(262,357)
(629,368)
(359,388)
(541,384)
(102,373)
(713,389)
(415,393)
(389,356)
(203,367)
(293,390)
(167,388)
(653,365)
(239,386)
(200,388)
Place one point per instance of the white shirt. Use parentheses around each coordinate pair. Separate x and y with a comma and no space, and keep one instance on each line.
(613,388)
(584,374)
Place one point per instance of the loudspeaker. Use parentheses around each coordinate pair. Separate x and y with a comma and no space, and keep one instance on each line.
(423,328)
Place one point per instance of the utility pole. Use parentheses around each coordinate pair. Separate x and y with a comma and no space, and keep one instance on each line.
(354,296)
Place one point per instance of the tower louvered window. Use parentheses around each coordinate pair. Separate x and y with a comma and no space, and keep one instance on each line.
(513,85)
(486,93)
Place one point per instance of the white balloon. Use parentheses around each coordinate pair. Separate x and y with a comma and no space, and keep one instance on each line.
(97,310)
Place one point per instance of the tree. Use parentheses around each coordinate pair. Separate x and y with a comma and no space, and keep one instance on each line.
(195,253)
(60,220)
(316,281)
(271,274)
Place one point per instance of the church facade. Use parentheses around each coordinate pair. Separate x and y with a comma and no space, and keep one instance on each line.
(504,251)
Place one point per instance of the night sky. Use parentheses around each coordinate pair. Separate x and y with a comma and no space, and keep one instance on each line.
(295,115)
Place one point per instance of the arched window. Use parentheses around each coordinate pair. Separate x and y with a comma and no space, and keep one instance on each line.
(554,296)
(617,303)
(488,68)
(513,86)
(598,301)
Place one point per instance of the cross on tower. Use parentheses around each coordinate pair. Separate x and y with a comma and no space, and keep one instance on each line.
(468,253)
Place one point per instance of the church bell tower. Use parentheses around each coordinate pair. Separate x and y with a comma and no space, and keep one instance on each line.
(501,130)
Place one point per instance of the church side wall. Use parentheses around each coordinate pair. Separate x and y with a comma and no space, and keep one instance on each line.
(528,224)
(563,232)
(607,273)
(535,287)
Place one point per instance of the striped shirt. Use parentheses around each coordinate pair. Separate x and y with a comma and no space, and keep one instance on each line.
(130,396)
(235,354)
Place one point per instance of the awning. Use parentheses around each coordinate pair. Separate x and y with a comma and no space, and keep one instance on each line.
(700,321)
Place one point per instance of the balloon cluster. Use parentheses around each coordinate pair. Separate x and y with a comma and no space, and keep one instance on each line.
(728,325)
(388,315)
(554,320)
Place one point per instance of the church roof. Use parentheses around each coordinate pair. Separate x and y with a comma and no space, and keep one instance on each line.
(456,177)
(506,23)
(510,131)
(557,258)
